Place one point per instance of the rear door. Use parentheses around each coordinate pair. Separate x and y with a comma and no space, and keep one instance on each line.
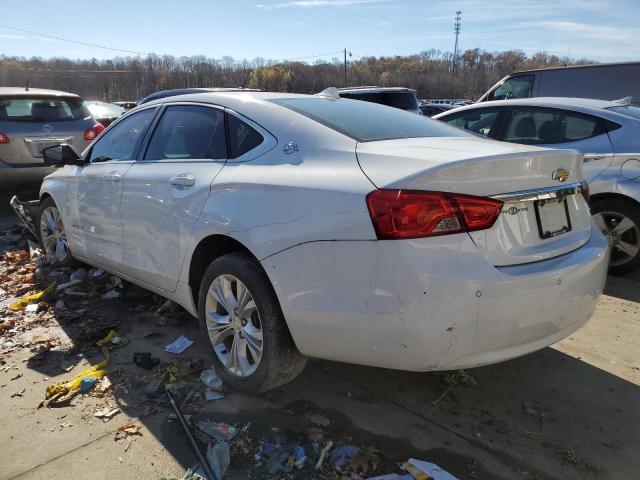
(93,196)
(566,129)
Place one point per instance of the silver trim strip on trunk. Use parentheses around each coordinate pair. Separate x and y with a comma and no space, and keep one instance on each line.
(542,193)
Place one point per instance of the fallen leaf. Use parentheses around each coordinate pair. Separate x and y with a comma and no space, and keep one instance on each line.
(126,430)
(18,394)
(17,376)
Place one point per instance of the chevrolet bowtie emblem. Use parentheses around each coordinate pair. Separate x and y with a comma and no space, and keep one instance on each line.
(560,174)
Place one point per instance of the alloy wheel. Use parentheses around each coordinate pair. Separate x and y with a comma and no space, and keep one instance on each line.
(623,235)
(52,234)
(233,325)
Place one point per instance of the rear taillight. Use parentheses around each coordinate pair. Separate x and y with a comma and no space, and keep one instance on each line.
(414,213)
(93,132)
(3,138)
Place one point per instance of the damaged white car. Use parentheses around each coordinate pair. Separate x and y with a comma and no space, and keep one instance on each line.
(299,226)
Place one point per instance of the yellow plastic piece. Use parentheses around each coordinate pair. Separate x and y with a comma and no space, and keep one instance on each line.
(24,301)
(107,340)
(96,371)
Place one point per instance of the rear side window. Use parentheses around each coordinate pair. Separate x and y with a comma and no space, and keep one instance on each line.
(242,137)
(42,109)
(121,142)
(188,132)
(477,121)
(514,87)
(367,122)
(550,126)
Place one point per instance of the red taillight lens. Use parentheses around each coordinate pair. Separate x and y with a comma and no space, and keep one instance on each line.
(3,138)
(414,213)
(93,132)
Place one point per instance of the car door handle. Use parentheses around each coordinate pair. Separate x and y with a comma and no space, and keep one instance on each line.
(111,177)
(184,180)
(590,157)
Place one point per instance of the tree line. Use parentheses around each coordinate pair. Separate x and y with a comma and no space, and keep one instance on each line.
(433,73)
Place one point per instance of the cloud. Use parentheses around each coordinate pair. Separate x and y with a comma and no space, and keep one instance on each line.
(317,3)
(12,37)
(595,32)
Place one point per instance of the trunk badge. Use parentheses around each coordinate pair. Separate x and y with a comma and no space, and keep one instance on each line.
(290,148)
(560,174)
(47,128)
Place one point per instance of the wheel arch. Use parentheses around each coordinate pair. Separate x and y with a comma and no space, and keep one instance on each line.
(208,249)
(598,197)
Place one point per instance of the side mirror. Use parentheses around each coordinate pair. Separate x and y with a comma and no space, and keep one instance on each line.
(63,154)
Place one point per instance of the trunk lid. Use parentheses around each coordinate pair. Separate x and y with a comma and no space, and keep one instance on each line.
(547,217)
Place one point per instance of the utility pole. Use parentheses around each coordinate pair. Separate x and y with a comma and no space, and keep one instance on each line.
(345,67)
(456,28)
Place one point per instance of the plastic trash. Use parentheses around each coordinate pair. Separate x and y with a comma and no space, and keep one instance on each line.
(32,308)
(26,300)
(87,383)
(96,371)
(301,456)
(111,294)
(218,430)
(340,456)
(211,379)
(210,395)
(145,360)
(392,476)
(428,470)
(179,345)
(79,274)
(218,457)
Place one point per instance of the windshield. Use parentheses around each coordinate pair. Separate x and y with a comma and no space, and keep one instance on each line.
(42,109)
(627,110)
(366,122)
(514,87)
(402,100)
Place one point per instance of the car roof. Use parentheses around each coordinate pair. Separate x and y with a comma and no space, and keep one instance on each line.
(374,89)
(572,67)
(34,92)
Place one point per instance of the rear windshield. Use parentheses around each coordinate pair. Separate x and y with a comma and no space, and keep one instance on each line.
(630,111)
(367,122)
(402,100)
(42,109)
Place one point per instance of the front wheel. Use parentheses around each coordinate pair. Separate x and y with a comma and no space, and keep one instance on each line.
(619,220)
(53,234)
(239,312)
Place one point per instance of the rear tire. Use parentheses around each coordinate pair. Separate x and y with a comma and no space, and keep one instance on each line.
(53,235)
(619,220)
(240,315)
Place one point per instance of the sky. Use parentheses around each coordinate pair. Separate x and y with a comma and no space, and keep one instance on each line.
(316,29)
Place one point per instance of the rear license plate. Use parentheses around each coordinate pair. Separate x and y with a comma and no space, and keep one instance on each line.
(553,217)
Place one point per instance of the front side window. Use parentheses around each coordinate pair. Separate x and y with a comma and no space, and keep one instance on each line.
(242,137)
(367,122)
(477,121)
(121,141)
(549,126)
(42,109)
(188,132)
(514,87)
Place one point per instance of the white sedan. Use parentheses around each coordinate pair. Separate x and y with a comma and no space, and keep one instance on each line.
(297,226)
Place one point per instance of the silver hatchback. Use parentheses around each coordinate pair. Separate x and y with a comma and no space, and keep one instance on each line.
(33,119)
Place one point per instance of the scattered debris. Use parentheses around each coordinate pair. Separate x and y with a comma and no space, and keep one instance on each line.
(18,394)
(422,470)
(111,294)
(96,371)
(107,414)
(211,379)
(17,376)
(218,457)
(218,430)
(26,300)
(179,345)
(127,430)
(87,384)
(211,395)
(323,454)
(145,360)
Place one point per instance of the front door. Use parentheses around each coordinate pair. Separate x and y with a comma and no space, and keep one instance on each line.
(94,205)
(165,191)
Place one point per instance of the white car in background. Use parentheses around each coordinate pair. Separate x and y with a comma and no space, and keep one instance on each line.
(608,133)
(295,225)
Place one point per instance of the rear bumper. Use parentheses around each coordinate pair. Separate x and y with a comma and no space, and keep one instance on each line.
(14,176)
(431,304)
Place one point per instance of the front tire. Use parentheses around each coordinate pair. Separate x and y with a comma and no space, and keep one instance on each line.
(53,235)
(619,220)
(240,315)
